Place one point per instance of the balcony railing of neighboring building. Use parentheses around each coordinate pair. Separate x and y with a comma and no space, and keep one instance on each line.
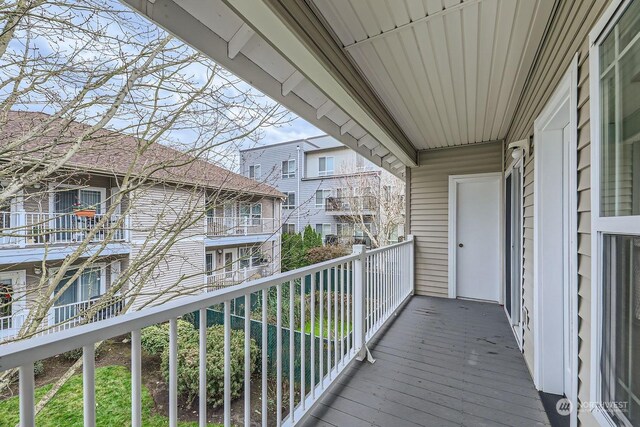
(349,300)
(240,226)
(356,204)
(38,228)
(64,316)
(220,279)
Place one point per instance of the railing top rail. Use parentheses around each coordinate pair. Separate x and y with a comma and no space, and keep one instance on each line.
(385,248)
(18,353)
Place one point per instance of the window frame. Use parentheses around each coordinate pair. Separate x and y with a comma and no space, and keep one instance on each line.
(325,195)
(253,168)
(601,225)
(323,225)
(55,187)
(288,224)
(103,277)
(326,171)
(285,203)
(291,171)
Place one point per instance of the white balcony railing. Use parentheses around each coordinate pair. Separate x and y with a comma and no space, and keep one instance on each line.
(37,228)
(349,299)
(220,279)
(240,226)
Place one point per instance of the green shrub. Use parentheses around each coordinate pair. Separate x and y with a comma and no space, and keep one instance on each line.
(188,364)
(76,353)
(38,368)
(325,253)
(155,339)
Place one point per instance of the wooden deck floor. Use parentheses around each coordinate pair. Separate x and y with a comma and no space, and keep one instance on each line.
(439,363)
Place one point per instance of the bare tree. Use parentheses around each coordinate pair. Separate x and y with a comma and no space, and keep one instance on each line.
(371,204)
(88,88)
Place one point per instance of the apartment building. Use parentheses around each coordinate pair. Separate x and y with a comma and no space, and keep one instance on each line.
(199,226)
(325,183)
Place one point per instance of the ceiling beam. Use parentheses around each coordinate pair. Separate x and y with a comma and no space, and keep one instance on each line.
(325,109)
(292,82)
(347,127)
(239,40)
(294,31)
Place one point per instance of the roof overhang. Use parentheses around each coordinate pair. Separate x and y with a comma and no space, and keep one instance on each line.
(250,40)
(386,80)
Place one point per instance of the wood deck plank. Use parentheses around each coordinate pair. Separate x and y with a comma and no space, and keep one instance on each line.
(440,362)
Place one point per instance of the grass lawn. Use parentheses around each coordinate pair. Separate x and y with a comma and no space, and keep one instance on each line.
(113,397)
(307,328)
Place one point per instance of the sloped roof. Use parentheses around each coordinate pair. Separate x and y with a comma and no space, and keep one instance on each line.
(114,153)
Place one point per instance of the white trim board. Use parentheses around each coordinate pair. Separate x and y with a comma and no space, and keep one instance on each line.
(560,111)
(454,180)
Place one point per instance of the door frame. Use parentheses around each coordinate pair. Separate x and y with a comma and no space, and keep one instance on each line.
(454,180)
(565,96)
(516,164)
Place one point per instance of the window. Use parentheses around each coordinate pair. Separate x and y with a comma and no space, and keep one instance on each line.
(323,229)
(250,257)
(615,60)
(64,201)
(254,171)
(85,288)
(209,262)
(344,230)
(620,118)
(325,166)
(245,257)
(250,213)
(321,196)
(289,168)
(289,228)
(620,356)
(290,200)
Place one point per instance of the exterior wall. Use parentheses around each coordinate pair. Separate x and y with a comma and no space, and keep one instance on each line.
(155,210)
(568,34)
(429,207)
(306,182)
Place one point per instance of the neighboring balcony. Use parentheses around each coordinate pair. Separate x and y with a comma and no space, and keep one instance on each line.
(42,228)
(221,279)
(361,205)
(63,316)
(240,226)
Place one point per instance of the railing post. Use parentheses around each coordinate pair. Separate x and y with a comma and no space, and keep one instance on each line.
(22,222)
(412,271)
(359,295)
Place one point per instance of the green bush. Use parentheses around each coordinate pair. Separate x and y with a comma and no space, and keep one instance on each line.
(76,353)
(155,339)
(188,364)
(38,368)
(325,253)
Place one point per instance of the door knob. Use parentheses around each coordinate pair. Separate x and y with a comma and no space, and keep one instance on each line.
(460,245)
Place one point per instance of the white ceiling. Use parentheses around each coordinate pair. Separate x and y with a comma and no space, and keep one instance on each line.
(449,71)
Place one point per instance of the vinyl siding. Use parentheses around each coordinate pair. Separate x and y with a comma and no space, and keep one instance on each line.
(270,159)
(568,34)
(181,269)
(429,207)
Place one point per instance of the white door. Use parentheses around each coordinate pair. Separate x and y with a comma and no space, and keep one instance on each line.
(477,237)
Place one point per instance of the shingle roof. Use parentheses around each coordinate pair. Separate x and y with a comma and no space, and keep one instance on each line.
(113,153)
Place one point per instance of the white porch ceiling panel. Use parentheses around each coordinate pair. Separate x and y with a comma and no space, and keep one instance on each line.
(449,71)
(218,31)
